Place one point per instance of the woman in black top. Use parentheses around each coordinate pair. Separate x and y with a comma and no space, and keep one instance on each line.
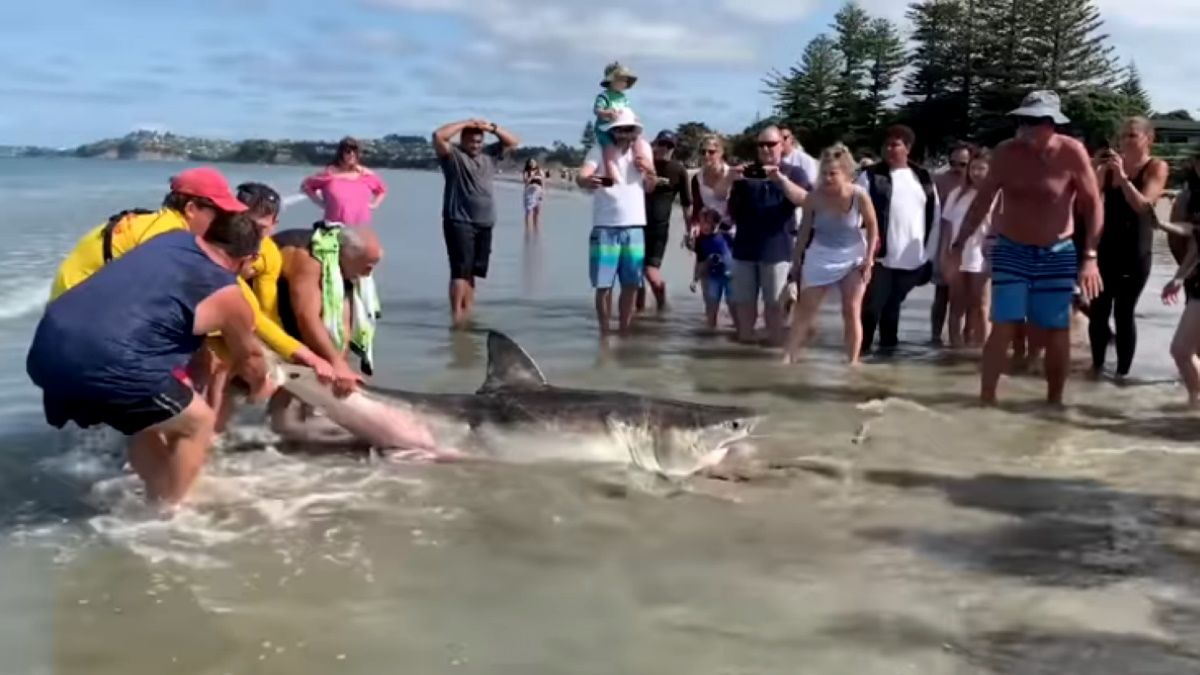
(1131,181)
(534,190)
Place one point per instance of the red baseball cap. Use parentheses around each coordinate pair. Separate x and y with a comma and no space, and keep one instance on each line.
(208,183)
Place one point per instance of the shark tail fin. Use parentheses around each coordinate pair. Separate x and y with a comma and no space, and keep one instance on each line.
(509,366)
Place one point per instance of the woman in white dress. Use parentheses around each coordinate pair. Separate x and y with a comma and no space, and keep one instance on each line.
(840,218)
(968,284)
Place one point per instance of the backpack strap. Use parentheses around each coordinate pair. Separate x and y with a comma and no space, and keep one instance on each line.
(106,235)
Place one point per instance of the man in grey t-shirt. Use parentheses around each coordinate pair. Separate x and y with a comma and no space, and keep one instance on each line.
(468,212)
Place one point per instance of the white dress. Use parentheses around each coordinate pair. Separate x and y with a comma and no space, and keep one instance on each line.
(958,202)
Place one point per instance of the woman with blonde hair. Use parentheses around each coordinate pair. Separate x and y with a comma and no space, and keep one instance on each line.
(710,190)
(1131,181)
(836,214)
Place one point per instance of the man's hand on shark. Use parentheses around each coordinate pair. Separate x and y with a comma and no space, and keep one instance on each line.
(324,369)
(345,380)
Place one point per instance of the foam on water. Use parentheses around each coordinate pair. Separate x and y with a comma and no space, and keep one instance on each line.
(17,301)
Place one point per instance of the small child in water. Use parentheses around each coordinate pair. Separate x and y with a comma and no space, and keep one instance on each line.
(714,264)
(608,106)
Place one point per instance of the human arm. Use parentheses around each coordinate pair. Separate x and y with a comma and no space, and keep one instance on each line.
(304,287)
(508,139)
(1186,267)
(587,178)
(794,192)
(314,185)
(871,224)
(697,199)
(684,187)
(802,238)
(1155,182)
(378,189)
(443,138)
(277,340)
(228,311)
(1091,205)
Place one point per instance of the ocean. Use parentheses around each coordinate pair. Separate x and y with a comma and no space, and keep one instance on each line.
(887,526)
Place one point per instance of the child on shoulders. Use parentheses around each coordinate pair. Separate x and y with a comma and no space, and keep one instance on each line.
(608,106)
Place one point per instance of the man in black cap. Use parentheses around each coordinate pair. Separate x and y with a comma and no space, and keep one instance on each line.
(672,180)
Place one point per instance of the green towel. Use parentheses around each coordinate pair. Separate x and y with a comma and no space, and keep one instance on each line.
(365,305)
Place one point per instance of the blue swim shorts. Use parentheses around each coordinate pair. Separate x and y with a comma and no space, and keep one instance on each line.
(1033,283)
(617,253)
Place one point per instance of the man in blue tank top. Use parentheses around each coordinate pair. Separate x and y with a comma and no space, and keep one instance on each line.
(113,349)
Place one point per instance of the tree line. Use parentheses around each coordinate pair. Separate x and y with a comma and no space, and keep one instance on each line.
(963,65)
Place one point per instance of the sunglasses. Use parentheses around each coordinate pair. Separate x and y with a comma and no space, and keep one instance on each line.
(958,165)
(711,151)
(767,144)
(624,130)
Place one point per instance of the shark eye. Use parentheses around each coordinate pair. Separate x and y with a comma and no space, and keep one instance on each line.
(735,425)
(294,376)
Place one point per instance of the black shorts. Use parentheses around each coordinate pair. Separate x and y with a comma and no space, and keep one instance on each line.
(126,417)
(656,243)
(468,247)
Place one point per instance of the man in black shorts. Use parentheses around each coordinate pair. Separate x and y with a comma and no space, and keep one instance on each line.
(468,212)
(672,180)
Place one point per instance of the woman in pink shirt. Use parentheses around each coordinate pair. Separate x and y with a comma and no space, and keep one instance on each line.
(346,190)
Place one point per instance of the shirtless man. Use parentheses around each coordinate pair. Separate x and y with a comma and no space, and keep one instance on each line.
(1043,176)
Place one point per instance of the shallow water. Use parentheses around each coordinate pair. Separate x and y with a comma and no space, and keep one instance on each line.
(887,525)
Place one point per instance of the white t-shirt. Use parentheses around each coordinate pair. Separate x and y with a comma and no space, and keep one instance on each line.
(623,204)
(906,245)
(798,157)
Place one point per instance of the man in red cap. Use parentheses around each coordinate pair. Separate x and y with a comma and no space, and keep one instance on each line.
(196,197)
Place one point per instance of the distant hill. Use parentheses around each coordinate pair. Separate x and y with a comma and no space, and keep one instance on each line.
(391,151)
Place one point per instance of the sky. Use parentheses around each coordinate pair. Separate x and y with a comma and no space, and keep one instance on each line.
(74,71)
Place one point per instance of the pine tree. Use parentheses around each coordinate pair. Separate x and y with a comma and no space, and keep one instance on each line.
(1068,46)
(937,108)
(808,94)
(588,140)
(885,60)
(1137,101)
(851,26)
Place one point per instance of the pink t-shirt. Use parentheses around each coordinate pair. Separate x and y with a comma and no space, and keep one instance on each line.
(347,200)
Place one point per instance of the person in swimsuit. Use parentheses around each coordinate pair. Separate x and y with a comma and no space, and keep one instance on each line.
(1043,175)
(1131,181)
(1185,345)
(346,191)
(113,350)
(835,217)
(534,191)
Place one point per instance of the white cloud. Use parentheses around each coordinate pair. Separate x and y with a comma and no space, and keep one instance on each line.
(772,11)
(1173,15)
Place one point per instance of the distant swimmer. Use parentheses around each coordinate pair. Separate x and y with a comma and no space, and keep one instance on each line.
(346,191)
(113,350)
(196,197)
(468,210)
(1043,175)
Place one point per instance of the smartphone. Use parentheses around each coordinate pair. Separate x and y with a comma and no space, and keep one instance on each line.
(755,171)
(607,181)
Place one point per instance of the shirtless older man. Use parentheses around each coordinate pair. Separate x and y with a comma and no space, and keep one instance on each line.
(1043,176)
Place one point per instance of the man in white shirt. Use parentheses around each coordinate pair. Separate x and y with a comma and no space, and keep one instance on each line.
(795,155)
(908,208)
(617,243)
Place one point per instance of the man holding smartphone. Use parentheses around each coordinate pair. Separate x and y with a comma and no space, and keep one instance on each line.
(763,197)
(617,245)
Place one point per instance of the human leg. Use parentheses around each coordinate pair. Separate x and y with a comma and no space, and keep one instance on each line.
(1050,304)
(803,315)
(631,273)
(773,279)
(1098,313)
(744,286)
(1124,308)
(656,235)
(878,290)
(903,281)
(956,328)
(853,289)
(976,323)
(603,257)
(460,252)
(938,312)
(995,358)
(1184,346)
(169,453)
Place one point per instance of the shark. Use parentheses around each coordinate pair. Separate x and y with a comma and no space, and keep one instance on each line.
(518,416)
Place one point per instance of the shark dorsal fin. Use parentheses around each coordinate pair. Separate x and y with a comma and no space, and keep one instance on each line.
(509,367)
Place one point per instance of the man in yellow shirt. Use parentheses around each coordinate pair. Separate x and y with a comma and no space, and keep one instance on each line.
(196,196)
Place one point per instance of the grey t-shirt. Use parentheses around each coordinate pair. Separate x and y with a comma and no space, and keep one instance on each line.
(468,194)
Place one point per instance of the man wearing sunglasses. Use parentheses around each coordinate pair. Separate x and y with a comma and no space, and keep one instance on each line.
(762,204)
(1044,177)
(672,180)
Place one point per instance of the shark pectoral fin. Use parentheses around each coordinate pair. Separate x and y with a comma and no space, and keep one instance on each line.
(509,366)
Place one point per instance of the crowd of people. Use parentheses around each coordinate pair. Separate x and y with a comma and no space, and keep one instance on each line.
(158,316)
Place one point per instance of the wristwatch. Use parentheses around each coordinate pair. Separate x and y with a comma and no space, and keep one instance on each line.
(1090,255)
